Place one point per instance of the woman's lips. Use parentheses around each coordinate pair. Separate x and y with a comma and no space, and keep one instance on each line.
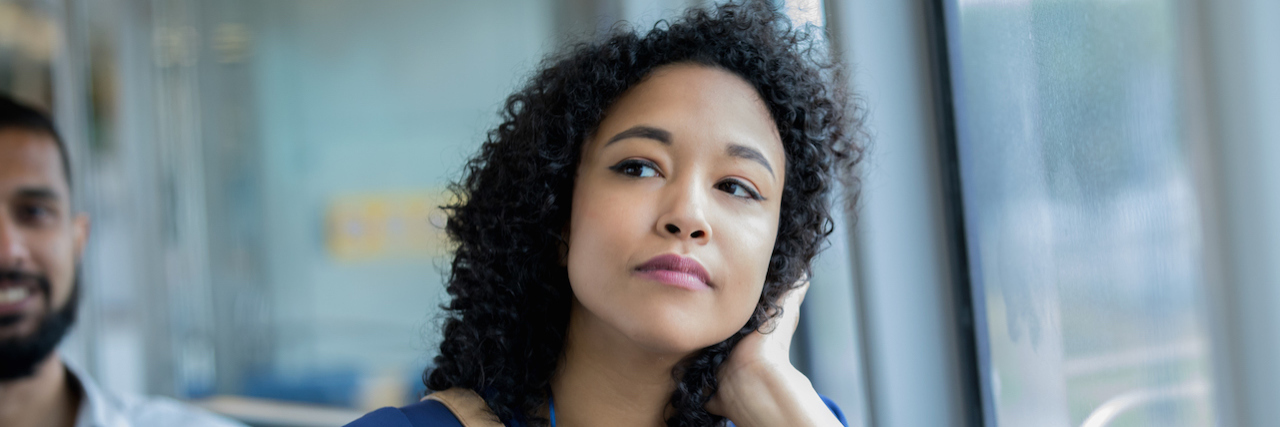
(675,270)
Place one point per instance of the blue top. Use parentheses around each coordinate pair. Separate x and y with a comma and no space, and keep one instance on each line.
(431,413)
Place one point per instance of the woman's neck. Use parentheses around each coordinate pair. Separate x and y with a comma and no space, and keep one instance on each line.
(605,379)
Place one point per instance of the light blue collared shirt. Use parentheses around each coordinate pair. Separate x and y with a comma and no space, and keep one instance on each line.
(102,409)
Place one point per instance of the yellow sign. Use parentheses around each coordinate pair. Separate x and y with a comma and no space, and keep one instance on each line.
(364,227)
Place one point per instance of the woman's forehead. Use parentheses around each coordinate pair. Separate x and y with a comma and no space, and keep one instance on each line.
(698,102)
(694,86)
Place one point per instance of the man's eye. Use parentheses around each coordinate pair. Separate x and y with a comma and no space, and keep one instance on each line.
(636,168)
(737,189)
(35,213)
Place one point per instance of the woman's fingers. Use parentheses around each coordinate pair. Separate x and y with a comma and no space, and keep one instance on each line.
(790,304)
(793,298)
(761,354)
(775,338)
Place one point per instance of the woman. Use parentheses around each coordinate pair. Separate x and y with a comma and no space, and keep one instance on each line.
(633,238)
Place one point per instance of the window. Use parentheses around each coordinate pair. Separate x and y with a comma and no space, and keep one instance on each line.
(1080,211)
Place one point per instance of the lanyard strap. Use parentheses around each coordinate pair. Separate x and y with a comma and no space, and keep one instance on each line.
(553,411)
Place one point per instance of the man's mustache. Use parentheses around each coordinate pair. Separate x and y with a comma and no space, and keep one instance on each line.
(24,278)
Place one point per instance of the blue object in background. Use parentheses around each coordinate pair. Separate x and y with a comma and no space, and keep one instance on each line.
(336,387)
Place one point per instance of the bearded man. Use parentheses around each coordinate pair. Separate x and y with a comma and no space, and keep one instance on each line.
(42,238)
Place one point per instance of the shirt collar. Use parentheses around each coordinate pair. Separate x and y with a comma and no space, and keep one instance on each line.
(95,408)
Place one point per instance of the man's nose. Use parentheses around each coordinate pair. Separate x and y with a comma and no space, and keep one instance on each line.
(13,251)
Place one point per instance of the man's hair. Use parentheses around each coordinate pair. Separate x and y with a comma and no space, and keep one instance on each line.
(17,115)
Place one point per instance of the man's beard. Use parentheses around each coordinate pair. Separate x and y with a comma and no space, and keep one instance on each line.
(20,356)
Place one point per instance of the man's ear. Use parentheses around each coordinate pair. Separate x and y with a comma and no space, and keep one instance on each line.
(80,233)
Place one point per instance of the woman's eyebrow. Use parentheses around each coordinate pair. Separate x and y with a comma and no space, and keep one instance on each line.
(647,132)
(749,153)
(663,136)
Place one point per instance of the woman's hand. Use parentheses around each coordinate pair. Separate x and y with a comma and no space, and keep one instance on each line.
(758,384)
(767,351)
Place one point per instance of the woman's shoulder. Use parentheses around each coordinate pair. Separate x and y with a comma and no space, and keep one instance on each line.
(445,408)
(435,413)
(427,413)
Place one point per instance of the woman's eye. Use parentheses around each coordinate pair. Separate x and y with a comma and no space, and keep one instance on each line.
(636,168)
(737,189)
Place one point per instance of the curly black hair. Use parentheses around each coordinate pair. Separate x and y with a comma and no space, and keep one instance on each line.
(505,327)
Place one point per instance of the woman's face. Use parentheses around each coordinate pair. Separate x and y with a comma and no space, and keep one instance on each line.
(675,210)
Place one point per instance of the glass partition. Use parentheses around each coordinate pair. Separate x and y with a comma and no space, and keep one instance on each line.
(329,130)
(1081,212)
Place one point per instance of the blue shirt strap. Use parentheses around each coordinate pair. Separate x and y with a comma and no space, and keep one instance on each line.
(427,413)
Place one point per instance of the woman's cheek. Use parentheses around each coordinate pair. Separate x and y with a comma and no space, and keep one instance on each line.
(755,245)
(750,246)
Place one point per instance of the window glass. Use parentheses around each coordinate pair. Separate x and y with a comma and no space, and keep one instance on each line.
(277,168)
(362,113)
(1080,212)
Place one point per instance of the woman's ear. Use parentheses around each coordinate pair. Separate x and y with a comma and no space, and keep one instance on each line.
(564,246)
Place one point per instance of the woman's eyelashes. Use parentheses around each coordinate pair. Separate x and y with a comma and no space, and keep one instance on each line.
(640,168)
(738,189)
(636,168)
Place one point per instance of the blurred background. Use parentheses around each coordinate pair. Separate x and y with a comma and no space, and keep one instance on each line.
(1068,216)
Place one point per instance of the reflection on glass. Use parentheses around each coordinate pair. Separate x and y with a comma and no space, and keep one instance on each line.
(1080,213)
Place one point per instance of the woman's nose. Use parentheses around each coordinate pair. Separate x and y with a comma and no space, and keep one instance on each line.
(675,230)
(686,216)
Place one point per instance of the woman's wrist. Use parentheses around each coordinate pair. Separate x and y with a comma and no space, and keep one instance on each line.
(772,395)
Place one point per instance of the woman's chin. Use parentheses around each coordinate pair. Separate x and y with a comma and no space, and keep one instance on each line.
(664,329)
(675,340)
